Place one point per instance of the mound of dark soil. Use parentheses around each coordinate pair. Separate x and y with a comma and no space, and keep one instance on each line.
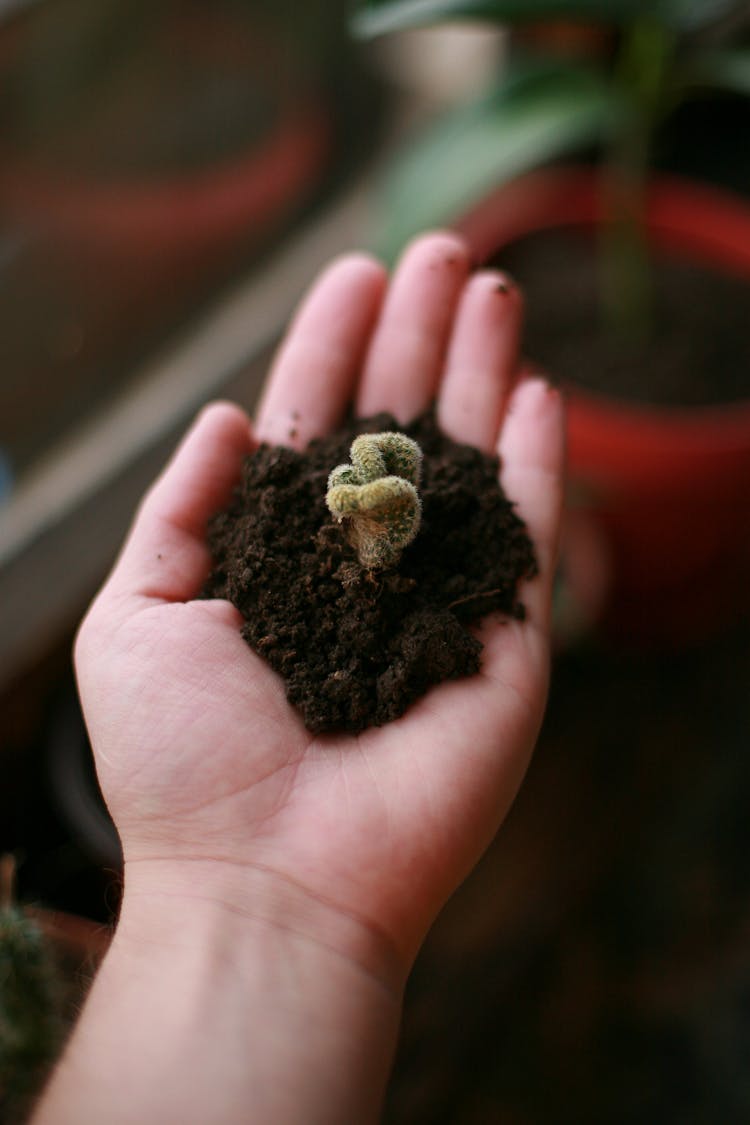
(356,649)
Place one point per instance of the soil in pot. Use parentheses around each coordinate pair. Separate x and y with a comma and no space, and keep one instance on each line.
(355,648)
(697,354)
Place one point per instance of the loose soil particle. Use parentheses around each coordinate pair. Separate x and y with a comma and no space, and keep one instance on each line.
(356,649)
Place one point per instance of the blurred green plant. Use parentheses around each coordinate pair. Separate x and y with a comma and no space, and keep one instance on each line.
(544,106)
(32,1024)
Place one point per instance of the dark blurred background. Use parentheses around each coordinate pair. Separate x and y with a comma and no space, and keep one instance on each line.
(172,174)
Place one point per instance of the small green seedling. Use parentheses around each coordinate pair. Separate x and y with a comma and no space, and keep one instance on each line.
(376,495)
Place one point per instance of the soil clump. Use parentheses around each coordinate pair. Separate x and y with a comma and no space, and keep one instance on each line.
(356,648)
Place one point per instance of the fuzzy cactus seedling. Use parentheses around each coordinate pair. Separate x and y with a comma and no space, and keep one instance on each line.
(376,497)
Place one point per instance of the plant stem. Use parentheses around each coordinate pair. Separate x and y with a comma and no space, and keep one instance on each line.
(640,71)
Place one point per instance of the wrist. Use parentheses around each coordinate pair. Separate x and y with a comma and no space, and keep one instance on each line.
(217,904)
(224,990)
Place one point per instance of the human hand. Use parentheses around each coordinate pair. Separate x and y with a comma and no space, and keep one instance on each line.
(217,789)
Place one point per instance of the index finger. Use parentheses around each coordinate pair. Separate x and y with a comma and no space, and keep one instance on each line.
(314,374)
(165,555)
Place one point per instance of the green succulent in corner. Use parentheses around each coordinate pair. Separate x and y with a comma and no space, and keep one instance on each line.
(32,1025)
(376,497)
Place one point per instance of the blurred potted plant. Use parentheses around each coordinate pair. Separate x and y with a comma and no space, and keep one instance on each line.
(665,485)
(157,131)
(149,151)
(47,959)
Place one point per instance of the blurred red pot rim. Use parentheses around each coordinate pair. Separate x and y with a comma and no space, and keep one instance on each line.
(202,204)
(696,221)
(258,183)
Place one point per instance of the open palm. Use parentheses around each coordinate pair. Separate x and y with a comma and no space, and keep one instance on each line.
(199,755)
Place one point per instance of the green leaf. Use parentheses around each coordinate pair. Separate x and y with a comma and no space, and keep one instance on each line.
(534,116)
(722,70)
(691,15)
(377,17)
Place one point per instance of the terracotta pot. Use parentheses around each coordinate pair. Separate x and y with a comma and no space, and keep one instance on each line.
(182,215)
(79,942)
(666,490)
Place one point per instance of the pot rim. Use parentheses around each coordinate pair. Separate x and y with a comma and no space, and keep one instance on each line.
(694,220)
(259,182)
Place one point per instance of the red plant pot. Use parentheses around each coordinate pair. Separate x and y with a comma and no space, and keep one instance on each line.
(166,220)
(112,256)
(182,217)
(667,489)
